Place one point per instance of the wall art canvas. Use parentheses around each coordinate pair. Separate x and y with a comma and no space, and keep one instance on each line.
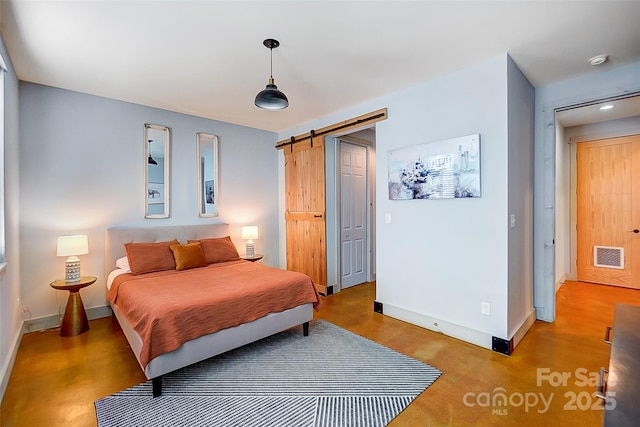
(155,193)
(209,192)
(448,169)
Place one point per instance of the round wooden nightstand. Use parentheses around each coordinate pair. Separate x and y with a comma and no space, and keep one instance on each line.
(256,257)
(75,320)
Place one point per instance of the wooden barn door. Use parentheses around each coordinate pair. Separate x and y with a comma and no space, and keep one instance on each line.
(305,197)
(305,210)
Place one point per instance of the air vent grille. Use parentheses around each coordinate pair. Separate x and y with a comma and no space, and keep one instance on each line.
(608,257)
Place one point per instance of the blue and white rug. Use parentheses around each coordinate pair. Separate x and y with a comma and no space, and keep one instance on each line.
(330,378)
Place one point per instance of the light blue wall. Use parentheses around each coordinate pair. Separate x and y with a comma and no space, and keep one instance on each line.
(621,81)
(82,170)
(521,109)
(439,259)
(10,316)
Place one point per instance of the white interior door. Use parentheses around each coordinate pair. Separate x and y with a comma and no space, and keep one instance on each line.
(353,214)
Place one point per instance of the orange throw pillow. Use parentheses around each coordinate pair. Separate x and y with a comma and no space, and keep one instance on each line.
(150,257)
(188,256)
(220,249)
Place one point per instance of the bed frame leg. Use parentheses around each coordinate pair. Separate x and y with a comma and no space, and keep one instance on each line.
(157,386)
(305,329)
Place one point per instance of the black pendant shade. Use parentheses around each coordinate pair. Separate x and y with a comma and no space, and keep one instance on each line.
(151,161)
(271,98)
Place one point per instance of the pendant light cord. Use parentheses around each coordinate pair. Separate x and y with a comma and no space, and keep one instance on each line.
(271,50)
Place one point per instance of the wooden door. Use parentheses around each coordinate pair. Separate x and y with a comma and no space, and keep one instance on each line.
(305,200)
(305,210)
(608,205)
(353,214)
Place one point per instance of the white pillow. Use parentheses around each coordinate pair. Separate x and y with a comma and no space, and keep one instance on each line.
(123,263)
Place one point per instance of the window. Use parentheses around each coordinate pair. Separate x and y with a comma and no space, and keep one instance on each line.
(3,69)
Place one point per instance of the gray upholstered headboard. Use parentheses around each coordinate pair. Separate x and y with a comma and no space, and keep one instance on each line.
(116,237)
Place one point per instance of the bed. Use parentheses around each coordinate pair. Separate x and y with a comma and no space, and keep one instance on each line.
(238,276)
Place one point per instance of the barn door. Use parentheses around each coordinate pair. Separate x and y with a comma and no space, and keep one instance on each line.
(305,200)
(305,210)
(608,203)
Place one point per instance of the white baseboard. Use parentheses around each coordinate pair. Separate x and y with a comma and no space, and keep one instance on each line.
(481,339)
(522,330)
(51,322)
(7,366)
(463,333)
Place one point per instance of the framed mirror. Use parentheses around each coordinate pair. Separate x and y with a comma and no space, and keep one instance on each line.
(156,170)
(207,174)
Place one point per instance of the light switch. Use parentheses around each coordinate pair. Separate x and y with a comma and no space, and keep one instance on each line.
(387,218)
(512,221)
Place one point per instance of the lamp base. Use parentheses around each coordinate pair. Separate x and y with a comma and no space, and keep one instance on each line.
(72,269)
(250,249)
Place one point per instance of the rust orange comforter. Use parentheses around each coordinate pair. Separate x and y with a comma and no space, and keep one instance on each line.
(168,308)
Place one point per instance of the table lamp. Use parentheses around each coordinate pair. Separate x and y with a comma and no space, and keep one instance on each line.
(250,232)
(71,247)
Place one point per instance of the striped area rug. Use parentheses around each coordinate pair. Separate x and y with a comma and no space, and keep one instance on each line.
(330,378)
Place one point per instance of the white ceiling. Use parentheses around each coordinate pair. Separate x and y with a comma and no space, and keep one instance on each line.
(620,109)
(206,58)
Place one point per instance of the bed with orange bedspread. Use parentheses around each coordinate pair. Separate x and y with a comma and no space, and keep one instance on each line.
(169,308)
(176,318)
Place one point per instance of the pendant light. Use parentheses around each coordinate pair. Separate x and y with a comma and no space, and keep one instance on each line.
(271,98)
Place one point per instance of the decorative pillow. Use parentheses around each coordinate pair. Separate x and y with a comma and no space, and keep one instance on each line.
(123,263)
(219,249)
(188,256)
(149,257)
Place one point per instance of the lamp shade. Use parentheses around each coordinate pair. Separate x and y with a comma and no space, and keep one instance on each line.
(73,245)
(271,98)
(249,232)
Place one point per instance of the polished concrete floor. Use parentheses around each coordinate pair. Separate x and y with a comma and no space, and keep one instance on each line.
(55,380)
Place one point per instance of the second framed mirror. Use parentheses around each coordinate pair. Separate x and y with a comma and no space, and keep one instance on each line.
(156,170)
(207,174)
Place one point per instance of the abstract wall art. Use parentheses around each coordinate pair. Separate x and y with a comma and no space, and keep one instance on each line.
(447,169)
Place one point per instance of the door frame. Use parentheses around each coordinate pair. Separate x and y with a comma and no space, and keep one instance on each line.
(369,200)
(545,209)
(333,195)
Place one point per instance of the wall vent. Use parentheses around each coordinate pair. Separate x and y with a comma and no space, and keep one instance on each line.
(608,257)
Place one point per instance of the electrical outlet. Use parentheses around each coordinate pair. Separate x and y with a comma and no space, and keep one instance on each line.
(485,308)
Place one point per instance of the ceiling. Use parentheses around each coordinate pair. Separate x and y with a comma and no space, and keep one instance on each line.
(206,58)
(595,113)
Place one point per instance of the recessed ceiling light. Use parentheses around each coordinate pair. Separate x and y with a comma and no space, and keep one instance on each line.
(598,59)
(606,107)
